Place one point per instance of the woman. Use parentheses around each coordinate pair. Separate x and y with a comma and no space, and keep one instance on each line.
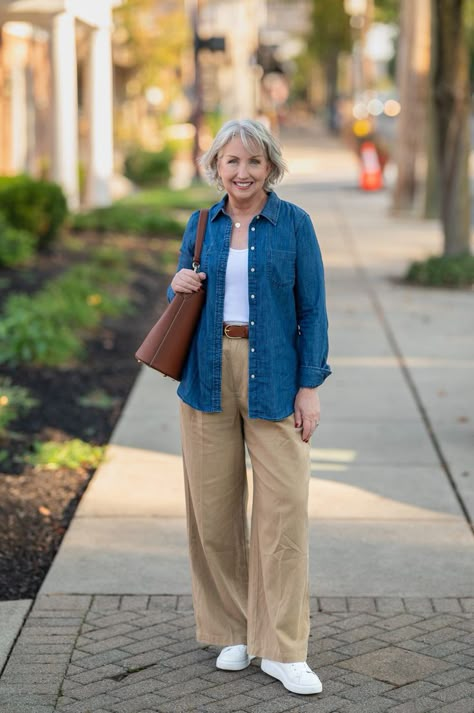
(252,378)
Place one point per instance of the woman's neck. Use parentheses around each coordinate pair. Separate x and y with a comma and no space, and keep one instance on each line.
(246,208)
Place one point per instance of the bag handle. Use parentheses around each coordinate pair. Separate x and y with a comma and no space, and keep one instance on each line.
(201,229)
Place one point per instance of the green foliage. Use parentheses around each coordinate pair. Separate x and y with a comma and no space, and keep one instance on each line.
(98,399)
(443,271)
(36,206)
(69,454)
(108,256)
(330,29)
(121,218)
(148,168)
(17,247)
(164,199)
(31,334)
(387,11)
(46,329)
(15,401)
(153,36)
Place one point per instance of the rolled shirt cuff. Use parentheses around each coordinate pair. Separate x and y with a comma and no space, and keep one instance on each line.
(311,376)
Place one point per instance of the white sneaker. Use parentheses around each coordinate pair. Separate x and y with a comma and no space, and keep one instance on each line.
(234,658)
(296,677)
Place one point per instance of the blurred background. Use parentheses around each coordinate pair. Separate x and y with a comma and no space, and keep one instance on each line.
(94,93)
(105,98)
(105,107)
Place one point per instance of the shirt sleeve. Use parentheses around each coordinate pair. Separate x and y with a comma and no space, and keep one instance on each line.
(186,252)
(312,342)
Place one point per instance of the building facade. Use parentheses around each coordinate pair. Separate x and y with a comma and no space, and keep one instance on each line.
(56,94)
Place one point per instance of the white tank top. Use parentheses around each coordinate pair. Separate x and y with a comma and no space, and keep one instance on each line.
(236,299)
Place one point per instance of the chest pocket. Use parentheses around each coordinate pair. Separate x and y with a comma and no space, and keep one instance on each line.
(281,267)
(207,254)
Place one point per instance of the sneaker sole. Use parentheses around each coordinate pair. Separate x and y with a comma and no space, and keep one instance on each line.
(237,666)
(273,671)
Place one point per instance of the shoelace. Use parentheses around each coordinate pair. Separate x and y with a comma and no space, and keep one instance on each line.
(300,668)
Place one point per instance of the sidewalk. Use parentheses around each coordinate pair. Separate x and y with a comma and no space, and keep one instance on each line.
(392,552)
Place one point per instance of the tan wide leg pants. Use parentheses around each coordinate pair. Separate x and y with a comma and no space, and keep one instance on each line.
(255,595)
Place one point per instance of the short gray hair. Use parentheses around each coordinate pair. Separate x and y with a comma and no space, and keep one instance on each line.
(252,133)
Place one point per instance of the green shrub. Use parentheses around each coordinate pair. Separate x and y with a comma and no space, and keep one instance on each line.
(120,218)
(147,168)
(110,257)
(32,332)
(15,401)
(45,328)
(443,271)
(68,454)
(36,206)
(17,247)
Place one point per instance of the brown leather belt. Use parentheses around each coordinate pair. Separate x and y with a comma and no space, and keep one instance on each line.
(236,331)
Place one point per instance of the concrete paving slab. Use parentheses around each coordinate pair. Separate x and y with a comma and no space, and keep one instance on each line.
(442,385)
(129,555)
(369,442)
(361,387)
(134,482)
(147,484)
(391,558)
(357,339)
(380,493)
(12,616)
(150,419)
(348,557)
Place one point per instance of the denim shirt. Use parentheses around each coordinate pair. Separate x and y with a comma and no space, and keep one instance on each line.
(288,340)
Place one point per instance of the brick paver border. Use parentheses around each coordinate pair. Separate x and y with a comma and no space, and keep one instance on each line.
(138,654)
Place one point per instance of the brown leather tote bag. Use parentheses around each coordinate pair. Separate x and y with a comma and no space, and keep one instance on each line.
(167,344)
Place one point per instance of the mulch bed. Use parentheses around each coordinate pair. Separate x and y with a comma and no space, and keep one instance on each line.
(37,505)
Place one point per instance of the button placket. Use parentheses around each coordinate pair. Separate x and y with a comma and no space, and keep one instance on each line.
(252,291)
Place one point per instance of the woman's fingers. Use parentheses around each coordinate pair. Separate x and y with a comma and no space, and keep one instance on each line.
(298,418)
(187,281)
(308,427)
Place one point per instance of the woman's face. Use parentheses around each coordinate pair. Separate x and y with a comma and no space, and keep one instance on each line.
(242,172)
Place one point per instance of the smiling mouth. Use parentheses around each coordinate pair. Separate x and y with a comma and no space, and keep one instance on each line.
(243,184)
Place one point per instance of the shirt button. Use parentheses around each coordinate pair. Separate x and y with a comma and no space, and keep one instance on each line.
(252,269)
(253,247)
(252,323)
(252,349)
(253,229)
(258,217)
(252,376)
(252,297)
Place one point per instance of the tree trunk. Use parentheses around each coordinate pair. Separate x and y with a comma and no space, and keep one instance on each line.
(331,88)
(413,71)
(432,190)
(451,121)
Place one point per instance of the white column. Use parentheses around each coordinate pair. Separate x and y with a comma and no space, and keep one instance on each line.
(65,154)
(100,109)
(18,119)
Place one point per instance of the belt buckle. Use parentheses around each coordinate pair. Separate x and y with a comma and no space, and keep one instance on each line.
(229,336)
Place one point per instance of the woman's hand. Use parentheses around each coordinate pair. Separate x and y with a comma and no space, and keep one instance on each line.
(187,280)
(307,412)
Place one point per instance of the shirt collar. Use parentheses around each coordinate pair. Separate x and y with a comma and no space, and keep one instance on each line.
(270,210)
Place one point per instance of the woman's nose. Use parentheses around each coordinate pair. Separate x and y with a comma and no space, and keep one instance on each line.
(243,171)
